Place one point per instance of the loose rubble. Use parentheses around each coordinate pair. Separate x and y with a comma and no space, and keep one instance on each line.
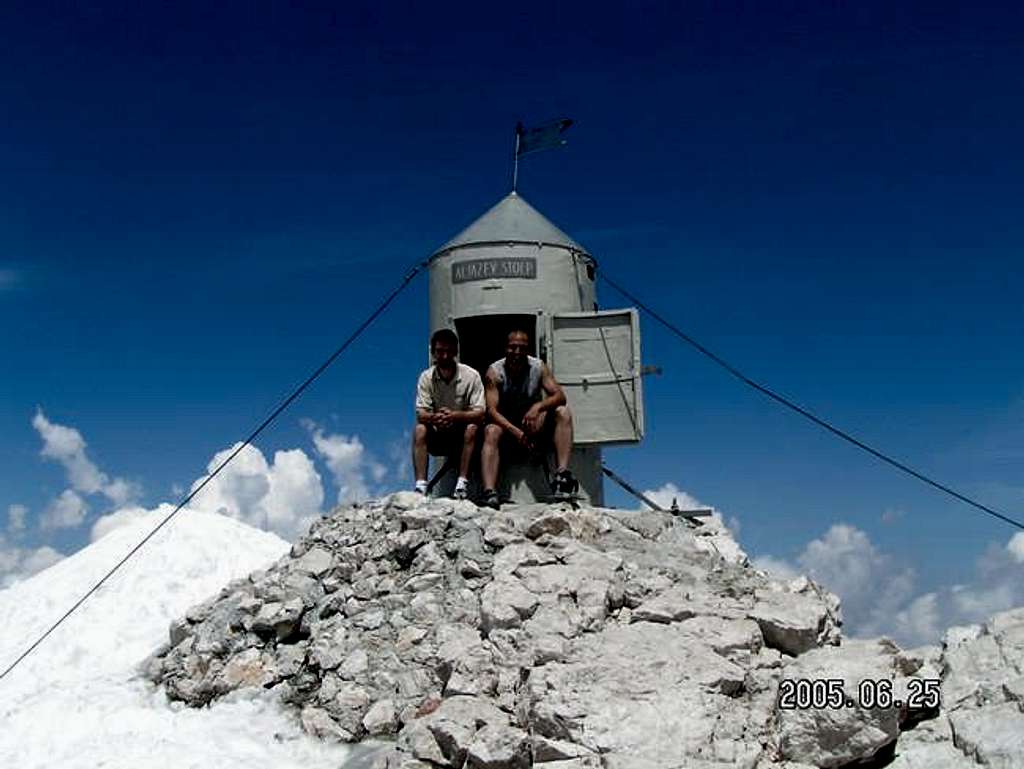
(573,638)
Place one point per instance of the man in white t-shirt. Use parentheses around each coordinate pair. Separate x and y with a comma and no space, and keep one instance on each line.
(449,408)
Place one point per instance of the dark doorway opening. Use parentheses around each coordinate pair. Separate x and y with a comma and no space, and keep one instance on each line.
(482,338)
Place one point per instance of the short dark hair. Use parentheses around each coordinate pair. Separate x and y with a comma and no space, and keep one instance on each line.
(518,330)
(445,335)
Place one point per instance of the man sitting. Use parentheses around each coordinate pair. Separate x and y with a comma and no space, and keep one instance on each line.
(449,406)
(525,405)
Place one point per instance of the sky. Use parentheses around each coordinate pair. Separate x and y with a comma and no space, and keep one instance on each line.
(199,204)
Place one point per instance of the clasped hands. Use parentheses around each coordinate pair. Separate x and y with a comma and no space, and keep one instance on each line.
(443,418)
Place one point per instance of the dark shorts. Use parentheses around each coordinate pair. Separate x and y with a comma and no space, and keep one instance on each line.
(445,443)
(543,439)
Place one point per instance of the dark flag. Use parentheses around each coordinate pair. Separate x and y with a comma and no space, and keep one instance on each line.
(542,137)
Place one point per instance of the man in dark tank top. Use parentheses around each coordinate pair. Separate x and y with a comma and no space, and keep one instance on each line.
(525,406)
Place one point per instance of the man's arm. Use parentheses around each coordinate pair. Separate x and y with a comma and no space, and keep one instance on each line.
(556,395)
(555,398)
(492,395)
(424,400)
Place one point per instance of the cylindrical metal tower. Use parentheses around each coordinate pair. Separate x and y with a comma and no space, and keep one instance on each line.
(514,268)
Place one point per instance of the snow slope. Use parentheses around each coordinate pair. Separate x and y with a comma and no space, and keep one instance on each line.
(77,701)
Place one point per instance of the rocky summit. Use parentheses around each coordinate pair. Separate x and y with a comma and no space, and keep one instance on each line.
(544,635)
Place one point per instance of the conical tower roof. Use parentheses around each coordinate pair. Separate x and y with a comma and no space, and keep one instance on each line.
(512,220)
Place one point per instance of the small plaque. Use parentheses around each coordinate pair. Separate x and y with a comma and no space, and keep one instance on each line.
(495,267)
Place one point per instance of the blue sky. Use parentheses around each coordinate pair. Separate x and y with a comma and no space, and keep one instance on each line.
(200,204)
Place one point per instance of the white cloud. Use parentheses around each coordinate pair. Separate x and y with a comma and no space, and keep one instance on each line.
(18,563)
(16,518)
(669,493)
(663,497)
(920,622)
(872,584)
(348,461)
(296,494)
(284,497)
(66,511)
(67,446)
(401,457)
(892,515)
(777,567)
(878,594)
(1015,547)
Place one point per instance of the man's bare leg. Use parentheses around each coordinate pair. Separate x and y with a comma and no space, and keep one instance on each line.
(419,451)
(489,458)
(468,444)
(563,437)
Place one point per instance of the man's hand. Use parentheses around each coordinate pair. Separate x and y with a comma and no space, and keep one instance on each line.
(531,420)
(523,439)
(443,418)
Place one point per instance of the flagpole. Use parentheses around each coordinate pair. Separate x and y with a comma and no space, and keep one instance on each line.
(515,159)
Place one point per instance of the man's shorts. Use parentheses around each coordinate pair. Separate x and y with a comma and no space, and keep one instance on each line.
(543,439)
(445,442)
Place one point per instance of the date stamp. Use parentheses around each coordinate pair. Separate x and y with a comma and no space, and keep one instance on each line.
(822,693)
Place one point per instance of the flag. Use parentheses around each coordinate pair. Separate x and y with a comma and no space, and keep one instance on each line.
(542,137)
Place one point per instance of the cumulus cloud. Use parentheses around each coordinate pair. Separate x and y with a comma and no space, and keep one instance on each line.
(348,461)
(284,496)
(920,622)
(663,497)
(66,446)
(18,563)
(66,511)
(878,593)
(1015,547)
(16,518)
(401,459)
(778,567)
(872,585)
(669,493)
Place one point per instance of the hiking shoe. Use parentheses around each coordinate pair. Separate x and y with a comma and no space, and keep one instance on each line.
(460,493)
(490,499)
(564,483)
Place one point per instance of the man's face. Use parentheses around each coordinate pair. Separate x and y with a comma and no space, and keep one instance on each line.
(444,356)
(517,349)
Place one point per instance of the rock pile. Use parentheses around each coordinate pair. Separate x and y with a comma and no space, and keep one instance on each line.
(568,639)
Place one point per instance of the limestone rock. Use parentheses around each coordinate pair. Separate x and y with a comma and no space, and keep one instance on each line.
(499,747)
(790,622)
(575,639)
(837,736)
(553,524)
(279,619)
(316,561)
(505,603)
(381,718)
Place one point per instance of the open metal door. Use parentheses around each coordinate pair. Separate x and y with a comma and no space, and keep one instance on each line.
(595,356)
